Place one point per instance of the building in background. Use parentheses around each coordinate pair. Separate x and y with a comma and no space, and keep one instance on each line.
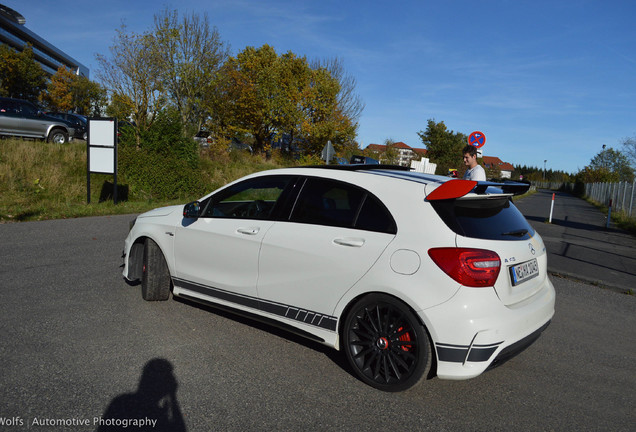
(493,162)
(16,35)
(405,153)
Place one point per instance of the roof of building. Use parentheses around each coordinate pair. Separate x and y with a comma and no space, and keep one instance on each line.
(495,162)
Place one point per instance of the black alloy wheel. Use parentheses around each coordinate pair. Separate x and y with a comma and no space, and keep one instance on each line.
(385,343)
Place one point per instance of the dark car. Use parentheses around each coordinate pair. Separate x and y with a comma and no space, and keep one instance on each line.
(356,159)
(24,119)
(77,121)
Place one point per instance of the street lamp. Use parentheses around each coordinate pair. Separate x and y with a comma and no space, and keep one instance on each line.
(544,169)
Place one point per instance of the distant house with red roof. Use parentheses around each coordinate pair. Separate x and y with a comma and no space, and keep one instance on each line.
(407,153)
(505,168)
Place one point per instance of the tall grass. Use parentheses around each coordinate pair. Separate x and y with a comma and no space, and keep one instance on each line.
(40,180)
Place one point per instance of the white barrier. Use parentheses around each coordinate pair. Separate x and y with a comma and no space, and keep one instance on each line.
(423,166)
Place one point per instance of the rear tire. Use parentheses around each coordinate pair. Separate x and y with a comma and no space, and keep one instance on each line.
(155,281)
(385,343)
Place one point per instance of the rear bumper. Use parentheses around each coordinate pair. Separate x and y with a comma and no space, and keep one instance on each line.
(474,330)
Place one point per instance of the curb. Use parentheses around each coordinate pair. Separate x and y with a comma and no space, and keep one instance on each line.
(621,289)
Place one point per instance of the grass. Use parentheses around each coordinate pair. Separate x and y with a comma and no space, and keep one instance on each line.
(40,181)
(620,219)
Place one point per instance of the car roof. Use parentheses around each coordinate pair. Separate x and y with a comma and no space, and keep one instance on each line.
(478,188)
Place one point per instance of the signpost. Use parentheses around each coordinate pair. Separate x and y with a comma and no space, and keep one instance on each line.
(101,151)
(328,152)
(477,139)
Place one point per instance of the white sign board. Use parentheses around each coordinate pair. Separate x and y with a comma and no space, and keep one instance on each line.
(101,151)
(102,160)
(102,137)
(102,132)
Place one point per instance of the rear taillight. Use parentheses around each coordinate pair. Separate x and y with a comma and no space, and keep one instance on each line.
(470,267)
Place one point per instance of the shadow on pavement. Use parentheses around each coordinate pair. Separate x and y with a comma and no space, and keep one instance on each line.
(153,407)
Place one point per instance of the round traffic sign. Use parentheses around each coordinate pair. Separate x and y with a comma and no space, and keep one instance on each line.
(477,139)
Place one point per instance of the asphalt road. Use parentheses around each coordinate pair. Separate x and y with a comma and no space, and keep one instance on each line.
(75,338)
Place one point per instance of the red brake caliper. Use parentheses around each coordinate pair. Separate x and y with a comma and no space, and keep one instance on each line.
(406,337)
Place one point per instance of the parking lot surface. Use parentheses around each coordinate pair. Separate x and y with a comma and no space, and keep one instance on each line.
(77,340)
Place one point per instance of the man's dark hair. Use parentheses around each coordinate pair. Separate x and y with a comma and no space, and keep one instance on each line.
(471,150)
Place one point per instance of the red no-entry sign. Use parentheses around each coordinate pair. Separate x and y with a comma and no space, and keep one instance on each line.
(477,139)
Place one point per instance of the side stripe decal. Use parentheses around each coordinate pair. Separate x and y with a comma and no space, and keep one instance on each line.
(316,319)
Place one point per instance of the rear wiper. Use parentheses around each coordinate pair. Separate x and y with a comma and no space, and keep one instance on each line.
(517,233)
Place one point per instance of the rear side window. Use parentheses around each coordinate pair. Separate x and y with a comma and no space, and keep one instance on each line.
(489,219)
(335,203)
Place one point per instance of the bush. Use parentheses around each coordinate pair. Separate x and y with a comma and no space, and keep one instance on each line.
(165,165)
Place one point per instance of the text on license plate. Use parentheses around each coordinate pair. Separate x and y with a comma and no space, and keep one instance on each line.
(524,271)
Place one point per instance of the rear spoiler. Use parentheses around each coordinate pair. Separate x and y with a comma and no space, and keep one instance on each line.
(453,189)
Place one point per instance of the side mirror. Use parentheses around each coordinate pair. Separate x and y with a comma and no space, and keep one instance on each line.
(192,210)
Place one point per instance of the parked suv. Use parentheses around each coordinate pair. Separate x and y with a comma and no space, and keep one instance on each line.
(78,122)
(22,118)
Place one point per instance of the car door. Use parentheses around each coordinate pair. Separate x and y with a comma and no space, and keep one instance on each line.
(218,252)
(336,232)
(9,117)
(31,120)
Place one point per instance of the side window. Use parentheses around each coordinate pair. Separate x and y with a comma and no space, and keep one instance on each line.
(334,203)
(251,199)
(8,107)
(28,110)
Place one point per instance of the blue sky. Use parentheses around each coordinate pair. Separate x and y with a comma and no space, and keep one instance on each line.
(542,80)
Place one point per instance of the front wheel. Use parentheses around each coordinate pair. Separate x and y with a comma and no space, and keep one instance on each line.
(385,343)
(155,280)
(58,136)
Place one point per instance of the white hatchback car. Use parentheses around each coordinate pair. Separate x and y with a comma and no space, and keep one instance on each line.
(402,271)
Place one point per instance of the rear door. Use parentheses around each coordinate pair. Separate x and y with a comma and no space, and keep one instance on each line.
(336,232)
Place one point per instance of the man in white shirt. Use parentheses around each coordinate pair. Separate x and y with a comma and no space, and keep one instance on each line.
(474,171)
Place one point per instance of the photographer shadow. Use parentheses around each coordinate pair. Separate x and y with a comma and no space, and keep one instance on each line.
(155,403)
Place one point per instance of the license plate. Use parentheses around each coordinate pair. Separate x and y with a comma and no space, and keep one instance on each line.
(524,271)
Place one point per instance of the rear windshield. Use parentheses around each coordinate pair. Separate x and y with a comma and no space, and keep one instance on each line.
(490,219)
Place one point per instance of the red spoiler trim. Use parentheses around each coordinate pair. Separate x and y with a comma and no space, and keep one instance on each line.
(451,189)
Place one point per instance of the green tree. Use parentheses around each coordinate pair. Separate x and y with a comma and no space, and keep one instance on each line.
(629,150)
(67,92)
(59,95)
(391,155)
(89,97)
(444,146)
(349,102)
(613,165)
(20,75)
(133,77)
(189,56)
(269,97)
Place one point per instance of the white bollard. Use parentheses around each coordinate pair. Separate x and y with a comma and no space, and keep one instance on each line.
(551,208)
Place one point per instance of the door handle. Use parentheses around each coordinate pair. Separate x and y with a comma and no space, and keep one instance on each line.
(351,242)
(248,231)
